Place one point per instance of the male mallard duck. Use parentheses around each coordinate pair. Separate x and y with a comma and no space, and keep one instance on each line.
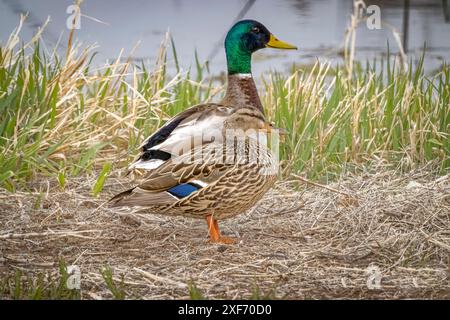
(189,169)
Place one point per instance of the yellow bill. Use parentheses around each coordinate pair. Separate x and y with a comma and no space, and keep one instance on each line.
(275,43)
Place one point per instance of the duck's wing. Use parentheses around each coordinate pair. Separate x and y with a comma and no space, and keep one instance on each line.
(165,165)
(175,179)
(187,130)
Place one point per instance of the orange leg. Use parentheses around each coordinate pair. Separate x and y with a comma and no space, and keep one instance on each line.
(214,232)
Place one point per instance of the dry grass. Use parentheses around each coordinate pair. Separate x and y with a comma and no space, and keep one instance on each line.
(299,242)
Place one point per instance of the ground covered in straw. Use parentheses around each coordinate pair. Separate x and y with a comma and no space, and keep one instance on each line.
(383,235)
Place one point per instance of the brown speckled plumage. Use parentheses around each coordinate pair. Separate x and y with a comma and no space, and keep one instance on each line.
(234,184)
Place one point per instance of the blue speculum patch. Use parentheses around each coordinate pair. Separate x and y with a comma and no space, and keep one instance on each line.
(183,190)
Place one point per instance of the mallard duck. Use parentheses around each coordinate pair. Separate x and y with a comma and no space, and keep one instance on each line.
(190,168)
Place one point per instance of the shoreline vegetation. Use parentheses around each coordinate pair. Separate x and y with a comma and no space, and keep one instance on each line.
(60,118)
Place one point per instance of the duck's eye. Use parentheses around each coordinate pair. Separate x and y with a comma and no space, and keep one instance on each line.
(255,30)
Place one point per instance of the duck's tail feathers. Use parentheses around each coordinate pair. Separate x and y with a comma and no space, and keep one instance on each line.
(117,200)
(137,197)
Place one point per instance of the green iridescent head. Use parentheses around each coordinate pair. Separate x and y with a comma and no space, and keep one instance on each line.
(244,38)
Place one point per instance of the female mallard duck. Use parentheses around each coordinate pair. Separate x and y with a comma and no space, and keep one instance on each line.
(211,161)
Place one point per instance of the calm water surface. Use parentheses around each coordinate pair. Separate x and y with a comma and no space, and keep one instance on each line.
(316,26)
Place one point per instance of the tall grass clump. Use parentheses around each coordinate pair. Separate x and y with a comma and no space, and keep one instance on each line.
(61,115)
(399,116)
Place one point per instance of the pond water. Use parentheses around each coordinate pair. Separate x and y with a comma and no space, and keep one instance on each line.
(317,27)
